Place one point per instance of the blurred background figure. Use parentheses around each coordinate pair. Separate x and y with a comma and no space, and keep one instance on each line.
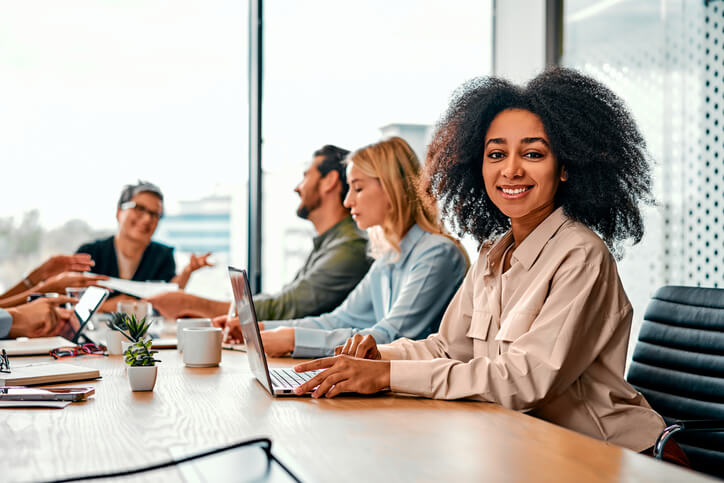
(417,268)
(130,254)
(334,267)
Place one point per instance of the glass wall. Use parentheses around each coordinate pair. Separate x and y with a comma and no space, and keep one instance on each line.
(665,59)
(98,94)
(350,74)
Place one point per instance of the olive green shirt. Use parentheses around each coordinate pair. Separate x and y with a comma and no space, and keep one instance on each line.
(336,265)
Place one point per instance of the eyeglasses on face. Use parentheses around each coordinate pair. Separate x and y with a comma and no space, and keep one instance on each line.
(81,350)
(140,210)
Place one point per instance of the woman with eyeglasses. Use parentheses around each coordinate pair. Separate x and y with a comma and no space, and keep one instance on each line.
(550,179)
(130,254)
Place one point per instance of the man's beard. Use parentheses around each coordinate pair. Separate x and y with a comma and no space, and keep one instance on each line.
(303,212)
(305,209)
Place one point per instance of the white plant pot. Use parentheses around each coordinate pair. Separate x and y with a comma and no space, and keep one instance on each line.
(142,378)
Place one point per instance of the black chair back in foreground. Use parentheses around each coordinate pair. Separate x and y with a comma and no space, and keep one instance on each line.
(678,365)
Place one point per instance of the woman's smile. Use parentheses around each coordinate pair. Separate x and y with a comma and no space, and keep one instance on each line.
(515,192)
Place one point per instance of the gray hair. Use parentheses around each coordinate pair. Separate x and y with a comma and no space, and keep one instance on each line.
(131,190)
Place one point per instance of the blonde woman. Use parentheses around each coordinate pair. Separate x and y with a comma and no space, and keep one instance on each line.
(417,266)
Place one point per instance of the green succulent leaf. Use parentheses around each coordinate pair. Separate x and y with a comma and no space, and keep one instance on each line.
(118,321)
(140,354)
(127,324)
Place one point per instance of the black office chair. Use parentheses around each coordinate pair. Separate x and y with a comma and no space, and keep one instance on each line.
(678,365)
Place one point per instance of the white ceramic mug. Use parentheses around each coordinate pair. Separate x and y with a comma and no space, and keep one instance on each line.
(202,346)
(141,309)
(182,324)
(113,341)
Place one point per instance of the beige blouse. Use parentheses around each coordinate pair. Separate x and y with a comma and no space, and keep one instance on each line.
(548,336)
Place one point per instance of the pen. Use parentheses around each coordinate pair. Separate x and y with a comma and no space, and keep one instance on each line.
(229,314)
(35,296)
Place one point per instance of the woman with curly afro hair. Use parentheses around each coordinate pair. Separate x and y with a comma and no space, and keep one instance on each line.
(550,179)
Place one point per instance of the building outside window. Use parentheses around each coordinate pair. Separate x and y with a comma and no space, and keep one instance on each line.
(95,95)
(350,74)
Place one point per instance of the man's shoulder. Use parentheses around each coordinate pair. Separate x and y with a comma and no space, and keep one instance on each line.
(344,250)
(346,234)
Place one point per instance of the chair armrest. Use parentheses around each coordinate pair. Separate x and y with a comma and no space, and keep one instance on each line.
(704,425)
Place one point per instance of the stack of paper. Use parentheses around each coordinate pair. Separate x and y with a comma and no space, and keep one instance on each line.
(138,289)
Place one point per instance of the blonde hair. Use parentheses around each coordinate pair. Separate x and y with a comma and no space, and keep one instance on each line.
(395,165)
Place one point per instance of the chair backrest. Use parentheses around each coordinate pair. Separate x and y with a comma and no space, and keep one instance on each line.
(678,365)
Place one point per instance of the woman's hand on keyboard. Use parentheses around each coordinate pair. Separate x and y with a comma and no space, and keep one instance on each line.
(345,374)
(359,346)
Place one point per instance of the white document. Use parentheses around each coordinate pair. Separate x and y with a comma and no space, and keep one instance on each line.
(138,289)
(34,404)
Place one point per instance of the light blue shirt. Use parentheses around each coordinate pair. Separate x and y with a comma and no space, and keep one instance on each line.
(397,298)
(6,321)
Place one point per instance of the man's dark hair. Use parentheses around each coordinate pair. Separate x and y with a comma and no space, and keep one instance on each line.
(131,190)
(333,161)
(591,133)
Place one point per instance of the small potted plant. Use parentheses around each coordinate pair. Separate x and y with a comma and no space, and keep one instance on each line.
(139,356)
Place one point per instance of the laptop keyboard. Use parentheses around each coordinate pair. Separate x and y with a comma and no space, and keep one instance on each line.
(286,378)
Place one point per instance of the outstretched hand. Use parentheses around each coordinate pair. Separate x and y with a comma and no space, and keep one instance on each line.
(173,305)
(194,264)
(58,283)
(80,262)
(197,262)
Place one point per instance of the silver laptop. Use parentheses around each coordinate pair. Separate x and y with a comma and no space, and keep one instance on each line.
(280,381)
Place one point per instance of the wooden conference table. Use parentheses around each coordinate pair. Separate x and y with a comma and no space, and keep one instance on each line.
(349,438)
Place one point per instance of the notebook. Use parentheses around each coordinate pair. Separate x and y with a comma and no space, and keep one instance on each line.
(22,346)
(46,373)
(234,347)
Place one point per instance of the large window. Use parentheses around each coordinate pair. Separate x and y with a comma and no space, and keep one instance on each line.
(350,74)
(664,59)
(97,94)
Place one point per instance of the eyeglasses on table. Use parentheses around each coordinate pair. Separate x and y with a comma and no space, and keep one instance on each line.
(81,350)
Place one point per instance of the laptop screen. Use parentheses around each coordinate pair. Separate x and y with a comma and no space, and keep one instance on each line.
(249,327)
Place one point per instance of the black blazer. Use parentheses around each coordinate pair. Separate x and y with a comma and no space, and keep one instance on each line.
(156,264)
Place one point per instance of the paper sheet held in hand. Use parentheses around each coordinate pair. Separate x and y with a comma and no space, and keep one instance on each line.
(138,289)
